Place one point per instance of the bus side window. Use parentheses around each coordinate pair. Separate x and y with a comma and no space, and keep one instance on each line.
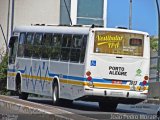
(56,46)
(83,49)
(21,45)
(65,49)
(76,48)
(13,44)
(37,45)
(46,42)
(28,45)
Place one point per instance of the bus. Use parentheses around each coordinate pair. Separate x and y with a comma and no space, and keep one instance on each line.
(104,65)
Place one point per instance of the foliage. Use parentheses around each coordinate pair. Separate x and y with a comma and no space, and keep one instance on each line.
(154,43)
(3,74)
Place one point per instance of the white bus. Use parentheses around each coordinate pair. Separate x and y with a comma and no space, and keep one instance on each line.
(106,65)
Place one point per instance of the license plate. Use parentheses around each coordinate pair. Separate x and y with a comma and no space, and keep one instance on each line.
(116,82)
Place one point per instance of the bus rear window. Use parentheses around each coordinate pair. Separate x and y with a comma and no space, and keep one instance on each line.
(119,43)
(135,42)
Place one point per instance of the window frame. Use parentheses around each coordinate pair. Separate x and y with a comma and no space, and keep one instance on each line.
(125,47)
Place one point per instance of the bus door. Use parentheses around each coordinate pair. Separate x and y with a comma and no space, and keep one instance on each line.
(13,45)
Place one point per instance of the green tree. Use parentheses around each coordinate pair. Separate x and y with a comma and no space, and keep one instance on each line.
(154,43)
(3,74)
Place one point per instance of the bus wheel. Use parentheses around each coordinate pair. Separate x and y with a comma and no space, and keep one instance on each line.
(158,115)
(108,106)
(21,94)
(55,94)
(66,102)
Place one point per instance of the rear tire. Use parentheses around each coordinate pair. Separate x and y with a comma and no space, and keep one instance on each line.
(22,95)
(55,94)
(55,97)
(66,102)
(108,106)
(158,115)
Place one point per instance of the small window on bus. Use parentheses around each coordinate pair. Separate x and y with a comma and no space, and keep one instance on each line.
(28,47)
(29,38)
(36,53)
(46,46)
(66,41)
(45,52)
(37,39)
(56,40)
(76,48)
(135,42)
(47,39)
(13,49)
(83,49)
(22,38)
(56,46)
(65,49)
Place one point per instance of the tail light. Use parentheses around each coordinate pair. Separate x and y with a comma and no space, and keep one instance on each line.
(144,82)
(89,78)
(146,78)
(88,73)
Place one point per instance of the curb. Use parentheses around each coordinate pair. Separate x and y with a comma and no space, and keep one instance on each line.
(39,110)
(30,111)
(21,108)
(150,100)
(153,101)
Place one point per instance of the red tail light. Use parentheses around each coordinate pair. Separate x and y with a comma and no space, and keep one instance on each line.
(89,78)
(146,78)
(144,82)
(88,73)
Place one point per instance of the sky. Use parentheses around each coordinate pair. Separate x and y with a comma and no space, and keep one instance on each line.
(144,15)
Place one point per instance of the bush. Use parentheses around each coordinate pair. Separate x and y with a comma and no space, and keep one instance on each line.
(3,75)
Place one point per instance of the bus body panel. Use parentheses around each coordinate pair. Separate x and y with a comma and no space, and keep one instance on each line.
(34,76)
(70,75)
(11,74)
(113,75)
(116,68)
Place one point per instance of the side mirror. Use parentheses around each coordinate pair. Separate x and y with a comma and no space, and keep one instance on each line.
(12,41)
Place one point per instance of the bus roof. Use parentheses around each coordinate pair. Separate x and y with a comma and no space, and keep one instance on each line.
(121,30)
(53,29)
(70,29)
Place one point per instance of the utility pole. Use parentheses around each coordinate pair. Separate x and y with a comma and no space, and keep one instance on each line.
(8,20)
(158,62)
(3,36)
(130,15)
(12,17)
(154,89)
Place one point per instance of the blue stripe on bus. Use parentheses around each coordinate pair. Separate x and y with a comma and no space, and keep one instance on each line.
(109,80)
(141,84)
(52,74)
(74,77)
(94,79)
(23,71)
(11,70)
(14,70)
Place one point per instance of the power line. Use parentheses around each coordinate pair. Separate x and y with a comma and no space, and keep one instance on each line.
(68,12)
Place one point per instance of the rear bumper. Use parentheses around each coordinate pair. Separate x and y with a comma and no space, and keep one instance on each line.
(110,93)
